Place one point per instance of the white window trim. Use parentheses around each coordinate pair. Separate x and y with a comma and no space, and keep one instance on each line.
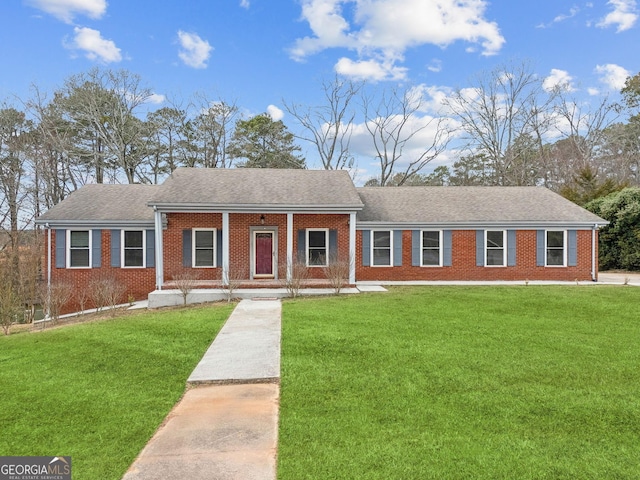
(504,249)
(193,247)
(326,243)
(372,247)
(68,247)
(564,248)
(144,248)
(440,249)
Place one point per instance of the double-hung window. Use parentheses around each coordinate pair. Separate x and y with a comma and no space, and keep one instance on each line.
(381,248)
(555,248)
(79,242)
(204,247)
(317,247)
(496,248)
(431,248)
(133,242)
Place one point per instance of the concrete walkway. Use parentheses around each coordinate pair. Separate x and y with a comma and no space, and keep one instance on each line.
(226,426)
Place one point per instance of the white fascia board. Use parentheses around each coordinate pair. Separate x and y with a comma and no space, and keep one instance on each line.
(97,224)
(253,208)
(506,225)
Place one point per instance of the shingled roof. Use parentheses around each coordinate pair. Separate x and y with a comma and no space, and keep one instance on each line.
(262,188)
(104,205)
(202,189)
(470,206)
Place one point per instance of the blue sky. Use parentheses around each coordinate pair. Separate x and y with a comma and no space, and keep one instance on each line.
(258,52)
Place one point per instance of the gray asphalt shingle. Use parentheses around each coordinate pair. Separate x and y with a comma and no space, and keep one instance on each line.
(256,186)
(108,203)
(469,205)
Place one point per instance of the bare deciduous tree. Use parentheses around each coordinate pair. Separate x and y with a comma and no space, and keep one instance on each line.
(56,296)
(404,137)
(212,128)
(10,304)
(106,102)
(329,126)
(505,106)
(583,130)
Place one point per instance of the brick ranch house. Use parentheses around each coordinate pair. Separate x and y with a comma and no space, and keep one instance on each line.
(256,222)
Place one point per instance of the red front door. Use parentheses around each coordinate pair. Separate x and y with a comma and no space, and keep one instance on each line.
(264,254)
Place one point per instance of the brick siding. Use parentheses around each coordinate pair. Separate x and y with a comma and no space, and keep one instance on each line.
(464,267)
(138,281)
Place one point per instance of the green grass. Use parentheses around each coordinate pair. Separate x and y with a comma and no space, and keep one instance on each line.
(453,382)
(98,391)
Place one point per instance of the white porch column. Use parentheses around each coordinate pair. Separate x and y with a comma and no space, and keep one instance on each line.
(289,245)
(352,248)
(225,248)
(159,250)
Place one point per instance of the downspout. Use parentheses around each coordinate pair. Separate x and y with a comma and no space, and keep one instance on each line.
(593,252)
(48,227)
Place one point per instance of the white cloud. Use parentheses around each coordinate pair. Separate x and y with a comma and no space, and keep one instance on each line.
(66,10)
(435,66)
(593,91)
(612,75)
(156,98)
(194,50)
(95,47)
(245,4)
(624,15)
(371,70)
(383,30)
(573,11)
(558,79)
(275,113)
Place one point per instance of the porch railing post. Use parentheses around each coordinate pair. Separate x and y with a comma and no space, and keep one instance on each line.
(159,254)
(352,248)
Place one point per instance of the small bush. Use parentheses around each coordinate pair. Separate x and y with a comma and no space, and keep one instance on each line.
(337,272)
(299,274)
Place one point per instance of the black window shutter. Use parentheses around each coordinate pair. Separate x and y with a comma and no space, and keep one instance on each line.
(186,248)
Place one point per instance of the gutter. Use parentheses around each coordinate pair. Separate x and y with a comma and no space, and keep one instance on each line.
(98,224)
(253,208)
(499,225)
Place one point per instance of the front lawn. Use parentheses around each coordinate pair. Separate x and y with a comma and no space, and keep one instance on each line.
(462,382)
(98,391)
